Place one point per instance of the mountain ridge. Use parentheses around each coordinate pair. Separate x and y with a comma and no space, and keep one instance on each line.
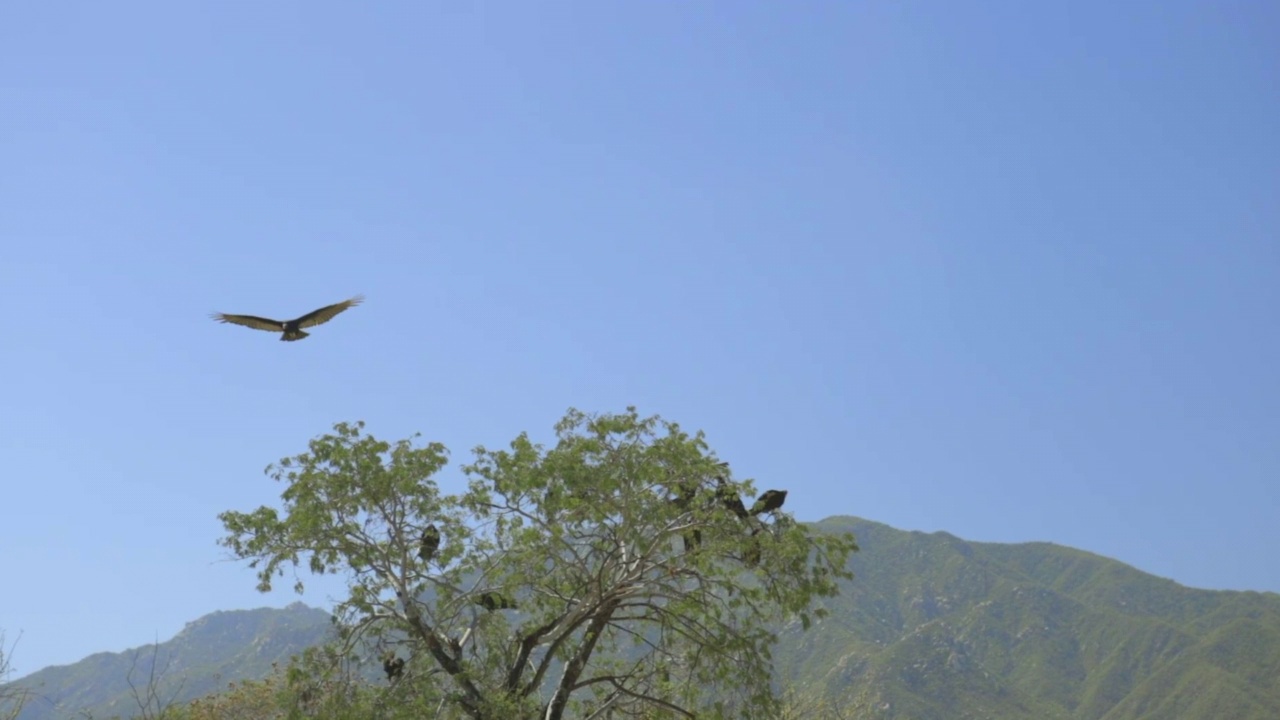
(932,627)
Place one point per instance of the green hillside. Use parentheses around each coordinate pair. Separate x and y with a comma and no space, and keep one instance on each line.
(937,627)
(206,655)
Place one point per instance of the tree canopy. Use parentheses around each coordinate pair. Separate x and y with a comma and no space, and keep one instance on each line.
(609,573)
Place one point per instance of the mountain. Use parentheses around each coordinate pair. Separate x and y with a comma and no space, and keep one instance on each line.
(202,658)
(935,627)
(932,627)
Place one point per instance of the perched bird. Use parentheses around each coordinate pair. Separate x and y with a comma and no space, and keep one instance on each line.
(292,329)
(768,502)
(751,556)
(692,540)
(684,489)
(392,666)
(430,543)
(494,601)
(681,501)
(730,499)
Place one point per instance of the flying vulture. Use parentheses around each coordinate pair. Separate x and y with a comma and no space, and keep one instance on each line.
(771,500)
(292,329)
(430,543)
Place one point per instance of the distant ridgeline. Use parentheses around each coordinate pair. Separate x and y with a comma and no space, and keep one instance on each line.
(931,628)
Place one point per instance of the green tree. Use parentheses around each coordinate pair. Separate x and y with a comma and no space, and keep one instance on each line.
(609,573)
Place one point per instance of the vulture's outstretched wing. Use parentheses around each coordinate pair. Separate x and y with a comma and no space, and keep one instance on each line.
(327,313)
(250,321)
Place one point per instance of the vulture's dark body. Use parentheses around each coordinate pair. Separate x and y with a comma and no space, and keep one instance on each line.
(430,543)
(770,501)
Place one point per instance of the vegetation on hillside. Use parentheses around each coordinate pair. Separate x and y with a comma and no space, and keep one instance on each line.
(936,628)
(200,660)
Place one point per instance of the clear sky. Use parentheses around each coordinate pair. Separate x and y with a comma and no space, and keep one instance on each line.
(1005,269)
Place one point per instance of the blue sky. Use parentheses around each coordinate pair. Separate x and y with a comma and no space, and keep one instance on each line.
(1004,269)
